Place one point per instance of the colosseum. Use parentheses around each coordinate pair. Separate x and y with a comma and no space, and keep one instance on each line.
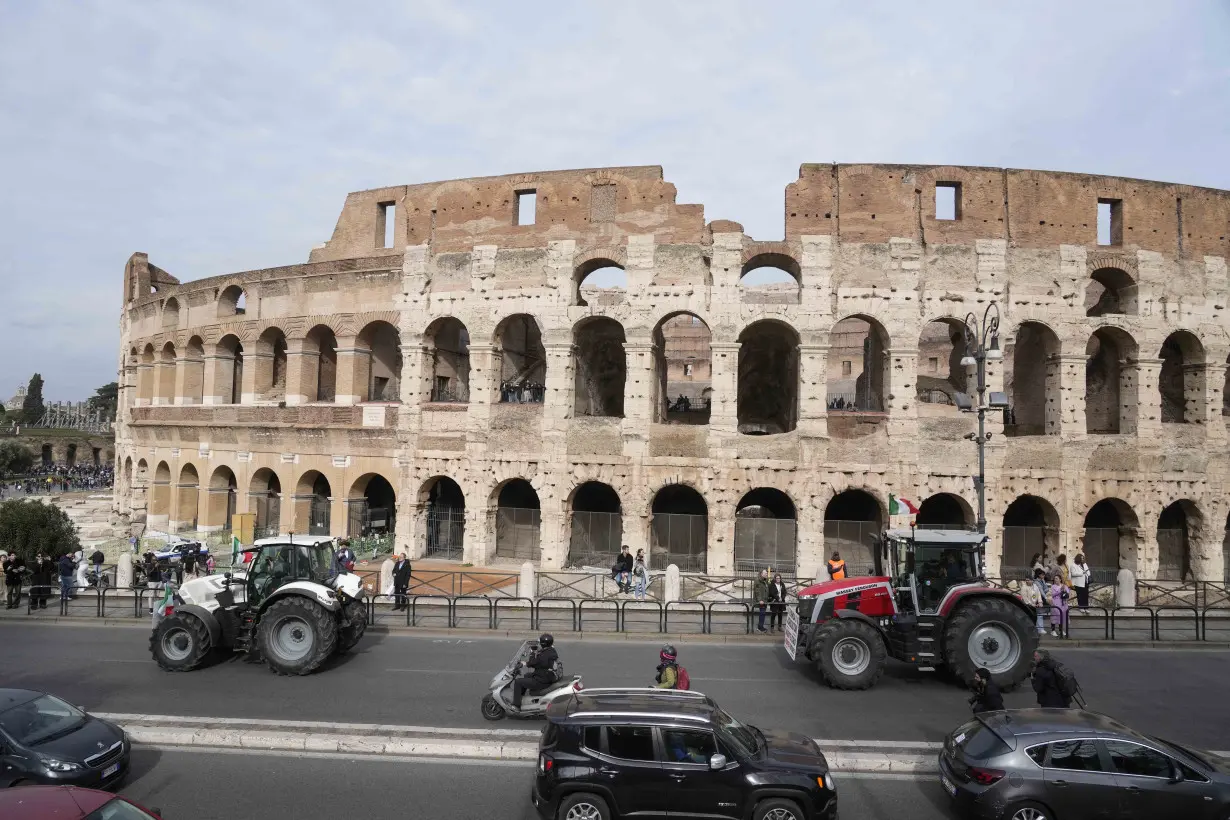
(545,366)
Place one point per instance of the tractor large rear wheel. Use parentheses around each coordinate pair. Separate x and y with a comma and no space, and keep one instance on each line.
(180,642)
(849,653)
(992,633)
(296,635)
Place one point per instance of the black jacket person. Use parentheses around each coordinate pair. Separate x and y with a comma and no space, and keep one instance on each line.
(987,697)
(541,669)
(1046,683)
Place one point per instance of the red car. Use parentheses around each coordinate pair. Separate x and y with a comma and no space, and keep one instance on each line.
(68,803)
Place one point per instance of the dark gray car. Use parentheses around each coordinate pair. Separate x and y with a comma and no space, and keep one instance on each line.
(1056,764)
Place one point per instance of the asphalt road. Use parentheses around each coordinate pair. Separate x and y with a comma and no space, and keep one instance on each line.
(418,680)
(214,786)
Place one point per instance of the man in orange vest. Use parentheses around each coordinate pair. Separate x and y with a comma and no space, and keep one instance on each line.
(837,568)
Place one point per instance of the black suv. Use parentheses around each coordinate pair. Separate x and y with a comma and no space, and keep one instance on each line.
(609,753)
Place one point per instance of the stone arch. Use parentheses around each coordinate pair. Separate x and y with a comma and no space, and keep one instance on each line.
(320,364)
(683,373)
(193,364)
(222,499)
(610,280)
(160,500)
(313,503)
(945,511)
(371,506)
(595,515)
(768,382)
(1032,380)
(232,301)
(941,347)
(766,532)
(170,313)
(448,343)
(166,374)
(1111,290)
(187,495)
(1031,527)
(444,505)
(859,365)
(853,518)
(1110,381)
(1181,379)
(378,362)
(600,367)
(228,370)
(679,527)
(770,276)
(1179,526)
(269,359)
(265,500)
(521,360)
(1109,542)
(517,513)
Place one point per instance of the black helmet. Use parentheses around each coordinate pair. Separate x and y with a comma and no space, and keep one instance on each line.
(983,673)
(545,640)
(668,654)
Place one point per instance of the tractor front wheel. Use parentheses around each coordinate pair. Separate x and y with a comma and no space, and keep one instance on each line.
(350,634)
(992,633)
(180,642)
(849,653)
(296,635)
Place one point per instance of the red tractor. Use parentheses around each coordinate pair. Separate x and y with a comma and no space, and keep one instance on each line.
(933,609)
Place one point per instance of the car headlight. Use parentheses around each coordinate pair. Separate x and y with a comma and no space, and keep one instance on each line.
(57,765)
(828,782)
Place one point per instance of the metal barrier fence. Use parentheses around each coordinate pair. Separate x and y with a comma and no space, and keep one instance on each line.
(1164,624)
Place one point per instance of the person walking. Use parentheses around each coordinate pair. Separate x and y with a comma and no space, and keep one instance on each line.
(640,577)
(1046,682)
(401,582)
(836,568)
(1080,580)
(760,593)
(777,602)
(986,697)
(1059,606)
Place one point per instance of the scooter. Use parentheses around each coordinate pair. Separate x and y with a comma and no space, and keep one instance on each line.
(498,704)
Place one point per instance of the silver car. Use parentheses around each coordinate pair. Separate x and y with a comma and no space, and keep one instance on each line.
(1056,764)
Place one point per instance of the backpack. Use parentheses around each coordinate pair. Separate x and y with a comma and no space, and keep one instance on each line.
(1069,687)
(682,681)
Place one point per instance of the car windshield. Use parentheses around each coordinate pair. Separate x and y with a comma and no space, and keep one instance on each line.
(118,809)
(741,737)
(41,719)
(1199,758)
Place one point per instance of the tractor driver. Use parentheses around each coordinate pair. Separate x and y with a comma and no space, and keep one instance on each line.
(541,665)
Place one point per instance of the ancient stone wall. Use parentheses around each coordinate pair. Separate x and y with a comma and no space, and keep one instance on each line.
(471,366)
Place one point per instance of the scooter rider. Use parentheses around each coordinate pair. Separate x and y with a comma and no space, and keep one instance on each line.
(542,669)
(668,671)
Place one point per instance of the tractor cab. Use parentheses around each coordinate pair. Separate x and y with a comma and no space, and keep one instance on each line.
(279,562)
(925,565)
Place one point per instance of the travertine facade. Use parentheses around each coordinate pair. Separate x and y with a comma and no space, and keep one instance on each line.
(461,376)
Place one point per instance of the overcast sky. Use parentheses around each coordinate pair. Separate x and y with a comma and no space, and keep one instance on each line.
(223,136)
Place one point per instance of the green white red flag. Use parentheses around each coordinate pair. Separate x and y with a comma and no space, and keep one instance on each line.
(901,506)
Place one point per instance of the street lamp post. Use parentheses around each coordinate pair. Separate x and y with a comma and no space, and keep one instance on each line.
(982,344)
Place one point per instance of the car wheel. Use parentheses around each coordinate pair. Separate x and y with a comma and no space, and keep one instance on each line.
(778,808)
(1028,811)
(583,806)
(180,642)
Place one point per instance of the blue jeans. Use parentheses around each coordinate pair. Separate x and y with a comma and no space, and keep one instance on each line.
(66,587)
(760,625)
(639,590)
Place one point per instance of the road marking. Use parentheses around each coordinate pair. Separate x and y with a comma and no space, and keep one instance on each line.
(442,671)
(372,728)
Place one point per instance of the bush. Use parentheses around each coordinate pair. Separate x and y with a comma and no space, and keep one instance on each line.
(15,458)
(30,527)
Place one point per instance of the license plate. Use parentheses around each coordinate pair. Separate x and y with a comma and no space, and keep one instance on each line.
(110,770)
(948,786)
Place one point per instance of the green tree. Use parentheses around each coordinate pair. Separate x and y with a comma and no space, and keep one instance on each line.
(32,408)
(106,399)
(15,458)
(30,527)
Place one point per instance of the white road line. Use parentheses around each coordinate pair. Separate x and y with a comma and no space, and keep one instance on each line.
(442,671)
(372,728)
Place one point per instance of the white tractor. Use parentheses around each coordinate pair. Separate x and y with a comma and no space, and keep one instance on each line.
(293,607)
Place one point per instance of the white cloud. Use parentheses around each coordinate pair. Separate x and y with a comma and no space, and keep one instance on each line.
(224,136)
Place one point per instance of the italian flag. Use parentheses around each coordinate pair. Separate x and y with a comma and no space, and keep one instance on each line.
(901,506)
(163,607)
(235,549)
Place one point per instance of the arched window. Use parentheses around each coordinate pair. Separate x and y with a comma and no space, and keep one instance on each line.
(1181,381)
(1031,378)
(312,504)
(371,507)
(1110,291)
(682,363)
(518,518)
(680,528)
(232,302)
(449,341)
(858,366)
(1031,528)
(596,530)
(1177,527)
(770,279)
(941,376)
(852,521)
(522,360)
(766,532)
(1110,382)
(768,399)
(944,511)
(382,343)
(601,368)
(446,518)
(600,282)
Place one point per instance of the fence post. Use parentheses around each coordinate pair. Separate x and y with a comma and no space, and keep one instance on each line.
(123,570)
(670,586)
(1125,594)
